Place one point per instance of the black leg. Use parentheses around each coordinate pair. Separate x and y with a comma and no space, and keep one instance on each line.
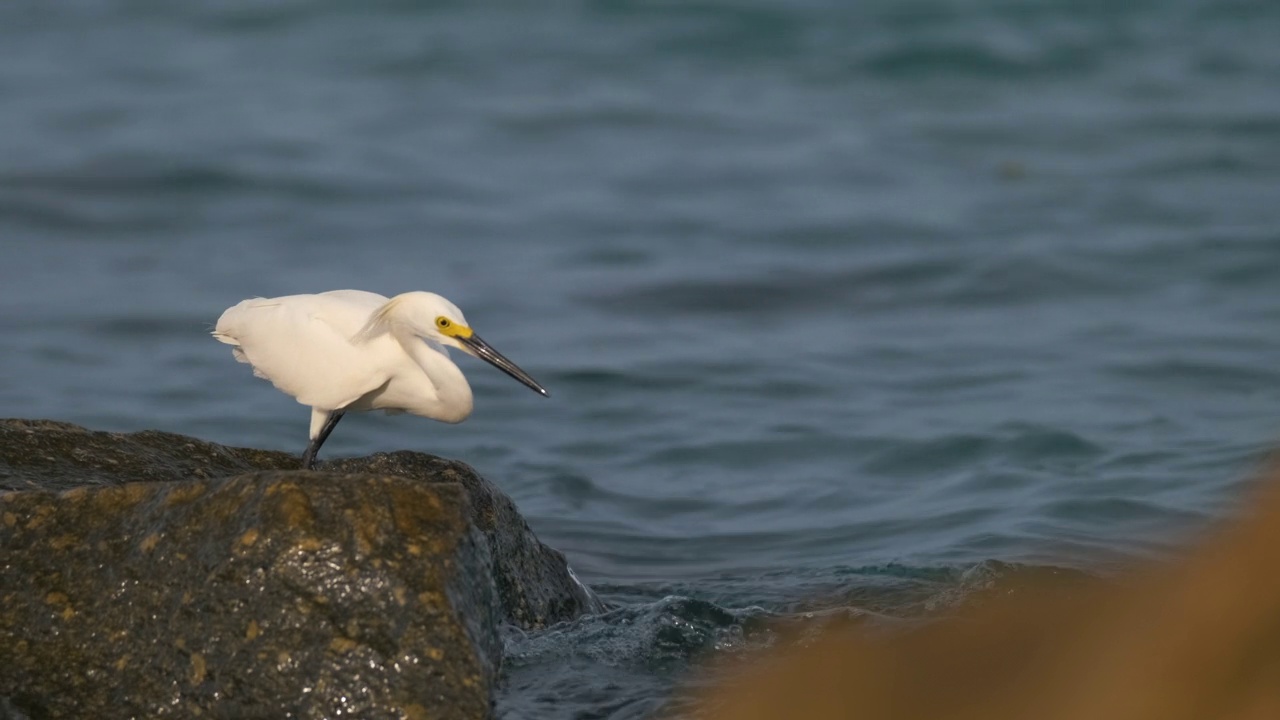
(309,457)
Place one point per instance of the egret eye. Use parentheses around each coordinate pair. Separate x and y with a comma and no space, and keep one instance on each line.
(443,322)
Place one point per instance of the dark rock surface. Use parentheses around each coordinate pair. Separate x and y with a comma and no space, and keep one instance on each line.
(303,594)
(229,584)
(535,586)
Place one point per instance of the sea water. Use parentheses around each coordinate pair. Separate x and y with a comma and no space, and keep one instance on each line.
(843,307)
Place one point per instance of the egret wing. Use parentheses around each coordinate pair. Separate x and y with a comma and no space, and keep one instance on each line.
(301,343)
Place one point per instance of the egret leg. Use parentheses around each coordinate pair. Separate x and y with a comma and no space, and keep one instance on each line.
(309,457)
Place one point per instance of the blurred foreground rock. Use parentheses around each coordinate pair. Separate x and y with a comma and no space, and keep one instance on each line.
(231,585)
(1199,640)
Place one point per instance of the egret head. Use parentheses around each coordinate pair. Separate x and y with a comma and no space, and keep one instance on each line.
(434,318)
(430,316)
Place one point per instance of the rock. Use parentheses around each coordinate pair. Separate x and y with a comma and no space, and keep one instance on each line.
(320,594)
(232,585)
(535,585)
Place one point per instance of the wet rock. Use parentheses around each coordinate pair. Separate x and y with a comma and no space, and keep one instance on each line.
(536,588)
(319,594)
(232,585)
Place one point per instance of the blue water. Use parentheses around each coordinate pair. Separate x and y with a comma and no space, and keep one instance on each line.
(841,305)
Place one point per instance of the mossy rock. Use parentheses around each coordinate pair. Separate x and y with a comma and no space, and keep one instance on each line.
(156,575)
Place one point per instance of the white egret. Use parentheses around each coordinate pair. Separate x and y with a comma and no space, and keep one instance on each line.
(350,350)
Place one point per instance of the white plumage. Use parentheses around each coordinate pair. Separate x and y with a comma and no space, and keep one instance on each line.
(351,350)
